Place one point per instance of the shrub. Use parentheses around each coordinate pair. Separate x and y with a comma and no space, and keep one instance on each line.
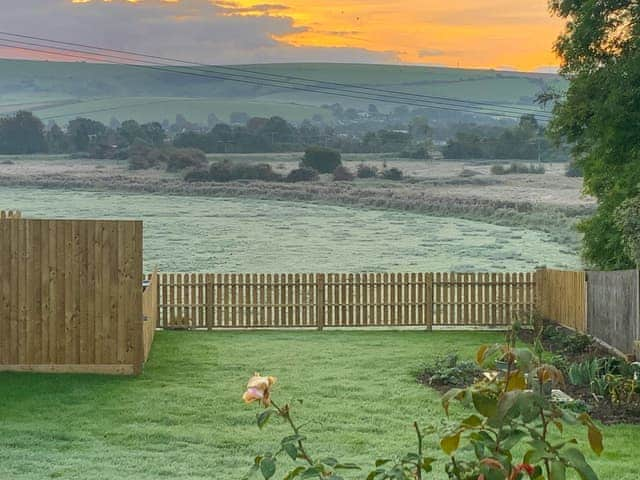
(392,174)
(367,171)
(322,159)
(255,171)
(221,171)
(226,171)
(198,175)
(183,158)
(451,371)
(516,168)
(303,174)
(343,174)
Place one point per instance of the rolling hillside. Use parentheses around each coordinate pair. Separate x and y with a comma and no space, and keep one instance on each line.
(61,91)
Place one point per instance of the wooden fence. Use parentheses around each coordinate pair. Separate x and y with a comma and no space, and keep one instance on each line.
(206,301)
(563,298)
(149,312)
(70,295)
(613,313)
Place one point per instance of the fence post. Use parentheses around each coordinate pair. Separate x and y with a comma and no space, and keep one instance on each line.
(540,296)
(208,293)
(320,307)
(429,300)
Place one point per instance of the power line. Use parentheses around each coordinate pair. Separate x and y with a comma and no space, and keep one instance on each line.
(287,78)
(279,84)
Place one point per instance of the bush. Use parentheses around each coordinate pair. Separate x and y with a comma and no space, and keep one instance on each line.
(516,168)
(343,174)
(198,175)
(226,171)
(392,174)
(322,159)
(367,171)
(183,158)
(255,171)
(303,174)
(451,371)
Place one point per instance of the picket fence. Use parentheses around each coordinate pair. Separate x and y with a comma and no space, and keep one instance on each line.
(319,300)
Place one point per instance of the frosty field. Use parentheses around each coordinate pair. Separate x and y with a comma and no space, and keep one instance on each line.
(201,234)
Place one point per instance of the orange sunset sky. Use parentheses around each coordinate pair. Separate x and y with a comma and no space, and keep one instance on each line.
(511,34)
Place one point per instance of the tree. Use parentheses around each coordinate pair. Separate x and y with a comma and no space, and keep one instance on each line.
(130,130)
(57,141)
(627,218)
(322,159)
(22,133)
(84,132)
(600,116)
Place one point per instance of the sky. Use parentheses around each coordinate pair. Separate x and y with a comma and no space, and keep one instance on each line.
(500,34)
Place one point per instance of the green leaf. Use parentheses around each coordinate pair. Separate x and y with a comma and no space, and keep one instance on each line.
(512,439)
(332,462)
(450,443)
(472,421)
(382,461)
(579,464)
(268,467)
(264,417)
(291,450)
(558,470)
(456,393)
(315,471)
(347,466)
(484,404)
(294,473)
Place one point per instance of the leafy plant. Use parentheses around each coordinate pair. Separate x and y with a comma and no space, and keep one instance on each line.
(509,412)
(449,370)
(505,415)
(622,390)
(305,465)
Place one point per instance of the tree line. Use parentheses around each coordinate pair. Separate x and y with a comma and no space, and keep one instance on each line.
(24,133)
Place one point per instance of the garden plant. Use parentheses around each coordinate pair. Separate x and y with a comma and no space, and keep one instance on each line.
(511,430)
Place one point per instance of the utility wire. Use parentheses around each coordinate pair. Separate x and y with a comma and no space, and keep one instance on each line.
(280,84)
(287,78)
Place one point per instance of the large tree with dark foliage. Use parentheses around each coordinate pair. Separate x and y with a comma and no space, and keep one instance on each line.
(600,116)
(22,133)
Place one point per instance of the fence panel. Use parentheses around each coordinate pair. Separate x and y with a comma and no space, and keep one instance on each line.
(343,300)
(563,298)
(70,296)
(482,299)
(613,312)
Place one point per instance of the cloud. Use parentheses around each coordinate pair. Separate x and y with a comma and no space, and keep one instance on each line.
(220,32)
(430,52)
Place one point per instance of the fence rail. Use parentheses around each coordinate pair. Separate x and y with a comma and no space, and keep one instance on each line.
(206,301)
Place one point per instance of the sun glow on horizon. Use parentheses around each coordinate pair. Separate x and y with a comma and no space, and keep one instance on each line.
(501,34)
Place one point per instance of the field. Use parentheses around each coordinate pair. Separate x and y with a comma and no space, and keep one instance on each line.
(183,418)
(60,91)
(248,235)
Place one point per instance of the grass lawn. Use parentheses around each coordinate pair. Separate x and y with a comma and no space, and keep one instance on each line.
(183,418)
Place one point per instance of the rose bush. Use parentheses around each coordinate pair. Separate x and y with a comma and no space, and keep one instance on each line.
(511,411)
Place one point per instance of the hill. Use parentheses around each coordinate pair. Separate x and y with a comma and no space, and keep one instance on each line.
(61,91)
